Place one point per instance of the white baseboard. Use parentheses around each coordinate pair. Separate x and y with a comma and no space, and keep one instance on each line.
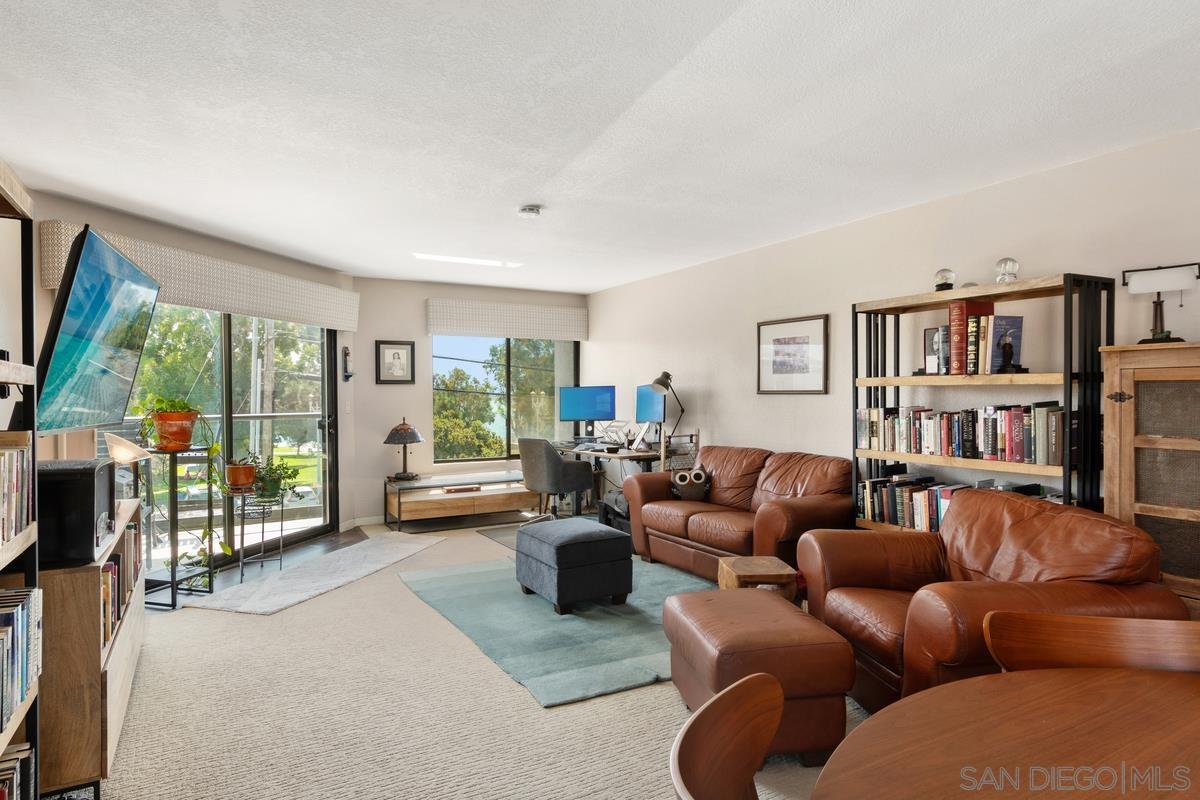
(350,524)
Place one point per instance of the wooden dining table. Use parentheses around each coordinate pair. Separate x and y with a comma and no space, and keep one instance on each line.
(1038,733)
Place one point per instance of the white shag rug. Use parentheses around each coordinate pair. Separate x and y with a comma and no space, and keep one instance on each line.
(318,575)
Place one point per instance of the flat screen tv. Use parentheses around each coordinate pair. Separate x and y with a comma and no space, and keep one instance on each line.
(95,338)
(651,406)
(587,403)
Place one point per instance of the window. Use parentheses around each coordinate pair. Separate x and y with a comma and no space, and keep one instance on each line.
(488,392)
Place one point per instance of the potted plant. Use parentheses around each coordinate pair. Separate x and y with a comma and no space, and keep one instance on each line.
(241,473)
(275,477)
(170,422)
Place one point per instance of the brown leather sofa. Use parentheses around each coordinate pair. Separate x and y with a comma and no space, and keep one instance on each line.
(759,503)
(912,604)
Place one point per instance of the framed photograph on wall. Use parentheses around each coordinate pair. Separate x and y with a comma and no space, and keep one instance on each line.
(793,355)
(394,362)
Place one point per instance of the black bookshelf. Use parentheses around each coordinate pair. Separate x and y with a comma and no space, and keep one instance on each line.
(1087,304)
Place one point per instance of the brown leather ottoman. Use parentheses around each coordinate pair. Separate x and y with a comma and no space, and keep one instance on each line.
(720,637)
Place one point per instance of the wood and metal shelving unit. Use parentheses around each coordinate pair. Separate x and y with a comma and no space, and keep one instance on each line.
(88,676)
(19,555)
(1087,307)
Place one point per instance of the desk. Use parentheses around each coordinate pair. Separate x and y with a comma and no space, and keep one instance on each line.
(428,497)
(643,458)
(939,742)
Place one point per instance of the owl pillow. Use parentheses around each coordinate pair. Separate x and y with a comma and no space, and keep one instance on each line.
(690,484)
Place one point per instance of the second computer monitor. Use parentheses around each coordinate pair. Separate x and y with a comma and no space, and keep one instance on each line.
(651,406)
(587,403)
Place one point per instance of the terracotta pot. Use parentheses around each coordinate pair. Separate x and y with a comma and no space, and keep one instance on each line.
(240,476)
(173,429)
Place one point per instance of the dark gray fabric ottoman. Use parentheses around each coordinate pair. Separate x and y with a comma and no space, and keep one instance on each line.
(570,560)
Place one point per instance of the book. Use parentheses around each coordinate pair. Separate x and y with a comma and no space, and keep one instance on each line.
(959,311)
(1005,330)
(931,351)
(1027,434)
(943,350)
(1041,412)
(985,326)
(973,344)
(1054,437)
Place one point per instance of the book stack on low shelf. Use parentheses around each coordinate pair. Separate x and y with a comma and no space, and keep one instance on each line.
(920,502)
(17,773)
(1029,434)
(978,345)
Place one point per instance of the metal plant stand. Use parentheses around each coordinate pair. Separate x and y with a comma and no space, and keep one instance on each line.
(259,508)
(175,578)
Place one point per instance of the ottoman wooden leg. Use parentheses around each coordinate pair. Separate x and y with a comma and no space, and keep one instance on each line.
(815,758)
(619,599)
(561,609)
(526,590)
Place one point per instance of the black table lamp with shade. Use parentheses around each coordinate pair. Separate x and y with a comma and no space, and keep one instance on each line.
(404,435)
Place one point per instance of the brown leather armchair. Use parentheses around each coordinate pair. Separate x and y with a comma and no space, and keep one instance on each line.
(758,503)
(913,604)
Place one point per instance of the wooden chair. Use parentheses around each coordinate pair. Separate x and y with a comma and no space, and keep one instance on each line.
(724,743)
(1044,641)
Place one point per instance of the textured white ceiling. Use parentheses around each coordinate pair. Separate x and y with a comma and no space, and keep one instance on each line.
(658,133)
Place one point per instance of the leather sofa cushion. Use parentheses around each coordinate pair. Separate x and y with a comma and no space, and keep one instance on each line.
(728,634)
(731,531)
(671,516)
(734,473)
(873,619)
(787,475)
(1001,536)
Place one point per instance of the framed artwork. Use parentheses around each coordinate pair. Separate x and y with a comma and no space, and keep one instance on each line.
(793,355)
(394,362)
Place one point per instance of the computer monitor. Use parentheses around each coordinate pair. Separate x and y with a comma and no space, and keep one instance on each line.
(651,406)
(587,403)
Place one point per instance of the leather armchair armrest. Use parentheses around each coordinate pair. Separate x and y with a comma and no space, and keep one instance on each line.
(867,559)
(642,488)
(945,620)
(778,523)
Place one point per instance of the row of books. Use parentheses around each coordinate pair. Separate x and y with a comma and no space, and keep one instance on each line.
(920,502)
(1030,434)
(20,646)
(974,341)
(17,771)
(16,484)
(112,596)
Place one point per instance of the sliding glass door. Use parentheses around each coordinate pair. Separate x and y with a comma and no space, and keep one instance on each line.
(265,388)
(279,413)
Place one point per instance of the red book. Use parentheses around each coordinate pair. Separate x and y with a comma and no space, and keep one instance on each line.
(959,311)
(1016,442)
(946,443)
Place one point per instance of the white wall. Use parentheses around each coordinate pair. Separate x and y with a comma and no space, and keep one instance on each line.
(1134,208)
(396,310)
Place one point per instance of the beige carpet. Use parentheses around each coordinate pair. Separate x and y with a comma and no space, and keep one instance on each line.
(367,693)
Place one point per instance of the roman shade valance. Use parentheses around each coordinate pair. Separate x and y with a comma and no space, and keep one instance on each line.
(200,281)
(514,320)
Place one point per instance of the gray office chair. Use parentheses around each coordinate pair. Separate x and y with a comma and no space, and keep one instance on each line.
(547,472)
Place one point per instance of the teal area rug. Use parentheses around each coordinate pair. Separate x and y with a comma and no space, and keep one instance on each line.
(597,650)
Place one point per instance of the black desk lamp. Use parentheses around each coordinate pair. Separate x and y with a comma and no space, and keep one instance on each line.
(404,435)
(662,385)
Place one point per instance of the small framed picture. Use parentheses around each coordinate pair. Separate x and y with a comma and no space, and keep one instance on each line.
(394,362)
(793,355)
(933,351)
